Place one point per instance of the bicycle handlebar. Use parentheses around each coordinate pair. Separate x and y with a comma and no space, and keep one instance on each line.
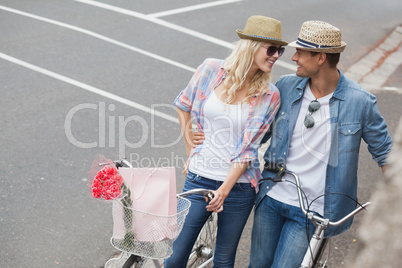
(204,192)
(122,163)
(280,170)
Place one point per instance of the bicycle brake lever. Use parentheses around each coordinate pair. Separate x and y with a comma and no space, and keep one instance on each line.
(279,174)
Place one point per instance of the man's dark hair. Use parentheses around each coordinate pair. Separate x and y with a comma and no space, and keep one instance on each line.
(332,58)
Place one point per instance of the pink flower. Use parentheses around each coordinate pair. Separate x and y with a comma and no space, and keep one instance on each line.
(96,182)
(110,171)
(112,191)
(107,183)
(96,191)
(119,180)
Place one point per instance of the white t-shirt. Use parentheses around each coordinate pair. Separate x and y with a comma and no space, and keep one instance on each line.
(223,126)
(308,156)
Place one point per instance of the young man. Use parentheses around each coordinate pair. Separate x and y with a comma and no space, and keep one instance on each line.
(316,134)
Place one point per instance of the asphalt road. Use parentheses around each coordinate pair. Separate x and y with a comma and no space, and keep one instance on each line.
(78,80)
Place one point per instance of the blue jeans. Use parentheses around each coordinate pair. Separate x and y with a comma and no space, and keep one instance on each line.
(231,221)
(279,237)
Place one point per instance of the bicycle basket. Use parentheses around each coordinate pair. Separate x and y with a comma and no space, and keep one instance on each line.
(160,231)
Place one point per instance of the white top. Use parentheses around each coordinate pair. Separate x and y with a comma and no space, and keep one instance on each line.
(223,127)
(308,156)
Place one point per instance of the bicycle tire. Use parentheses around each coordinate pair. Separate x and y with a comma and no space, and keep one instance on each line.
(203,250)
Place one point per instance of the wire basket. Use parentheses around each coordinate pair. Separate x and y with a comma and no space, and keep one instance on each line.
(145,234)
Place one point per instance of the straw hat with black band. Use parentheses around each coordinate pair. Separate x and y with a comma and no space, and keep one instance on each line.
(319,36)
(263,29)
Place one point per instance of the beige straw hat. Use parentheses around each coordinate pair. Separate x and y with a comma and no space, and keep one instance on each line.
(263,29)
(319,36)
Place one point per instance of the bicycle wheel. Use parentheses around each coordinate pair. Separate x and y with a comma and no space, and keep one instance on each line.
(202,254)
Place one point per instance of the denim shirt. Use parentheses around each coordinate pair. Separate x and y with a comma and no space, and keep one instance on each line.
(354,116)
(262,110)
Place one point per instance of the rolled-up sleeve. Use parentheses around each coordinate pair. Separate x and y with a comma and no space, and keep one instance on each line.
(375,133)
(186,98)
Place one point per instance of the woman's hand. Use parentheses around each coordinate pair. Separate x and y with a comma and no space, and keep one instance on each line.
(236,170)
(198,138)
(195,138)
(216,204)
(185,168)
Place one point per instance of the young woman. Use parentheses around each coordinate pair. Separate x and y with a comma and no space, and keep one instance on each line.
(232,103)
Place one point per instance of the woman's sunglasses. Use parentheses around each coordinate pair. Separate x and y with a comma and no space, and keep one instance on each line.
(271,50)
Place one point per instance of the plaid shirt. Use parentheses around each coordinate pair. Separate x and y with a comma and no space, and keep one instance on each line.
(262,112)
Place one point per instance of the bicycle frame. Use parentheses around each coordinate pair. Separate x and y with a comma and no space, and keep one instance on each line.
(319,222)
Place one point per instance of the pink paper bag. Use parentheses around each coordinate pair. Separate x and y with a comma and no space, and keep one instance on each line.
(153,193)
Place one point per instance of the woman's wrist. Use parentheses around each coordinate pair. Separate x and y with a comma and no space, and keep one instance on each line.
(225,189)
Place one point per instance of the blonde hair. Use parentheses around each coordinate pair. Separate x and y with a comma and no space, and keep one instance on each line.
(237,65)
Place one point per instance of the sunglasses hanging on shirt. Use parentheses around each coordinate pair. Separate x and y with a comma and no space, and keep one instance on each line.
(309,119)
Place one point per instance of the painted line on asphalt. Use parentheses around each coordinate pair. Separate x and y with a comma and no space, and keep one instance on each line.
(374,69)
(192,8)
(89,88)
(101,37)
(83,85)
(174,27)
(156,21)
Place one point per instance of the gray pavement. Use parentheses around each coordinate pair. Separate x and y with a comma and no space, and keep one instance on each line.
(395,79)
(75,72)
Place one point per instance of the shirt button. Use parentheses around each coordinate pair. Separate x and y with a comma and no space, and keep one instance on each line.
(349,131)
(267,187)
(284,153)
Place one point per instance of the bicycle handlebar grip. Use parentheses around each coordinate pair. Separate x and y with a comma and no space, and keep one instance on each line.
(274,167)
(278,168)
(122,163)
(210,195)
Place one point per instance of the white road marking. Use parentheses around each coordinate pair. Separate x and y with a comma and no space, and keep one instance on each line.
(89,88)
(191,8)
(157,21)
(175,27)
(85,86)
(101,37)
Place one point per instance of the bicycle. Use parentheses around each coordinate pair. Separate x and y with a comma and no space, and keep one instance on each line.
(144,254)
(314,256)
